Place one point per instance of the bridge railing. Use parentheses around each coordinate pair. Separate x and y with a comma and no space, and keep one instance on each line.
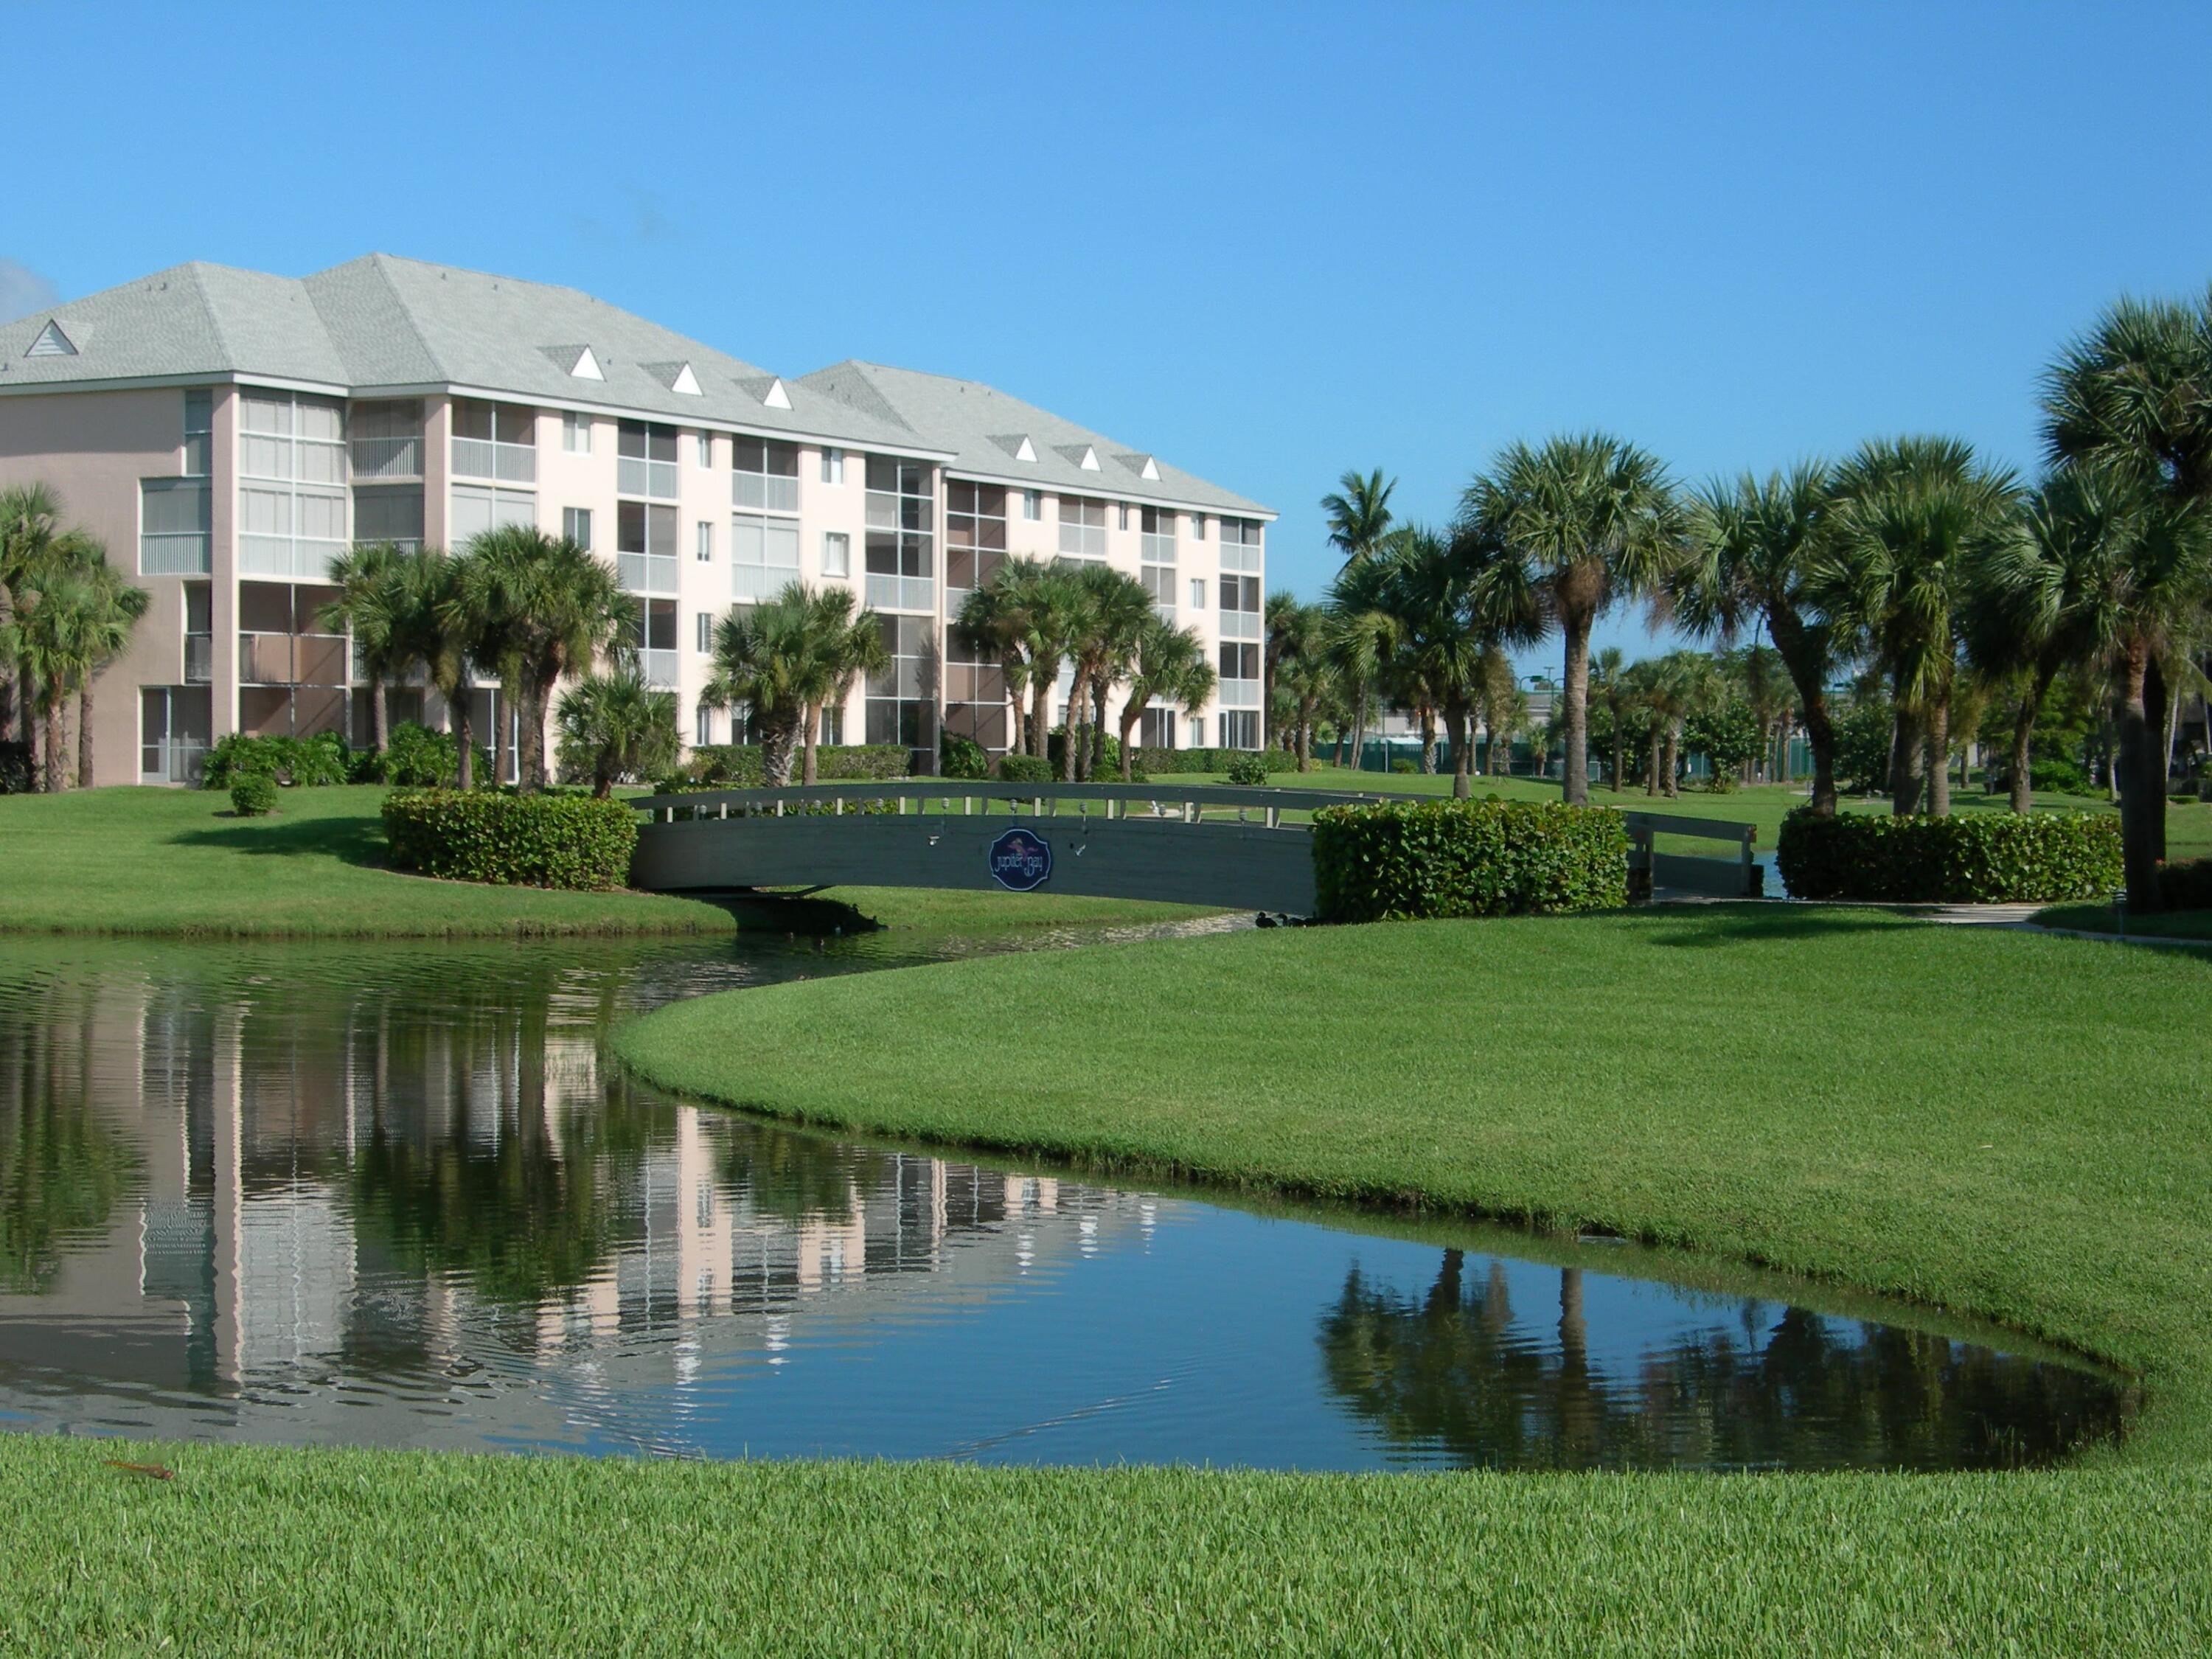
(1191,802)
(1736,877)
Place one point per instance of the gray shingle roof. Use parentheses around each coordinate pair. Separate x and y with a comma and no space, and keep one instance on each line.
(984,427)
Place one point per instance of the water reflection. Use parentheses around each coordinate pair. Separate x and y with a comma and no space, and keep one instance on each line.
(397,1195)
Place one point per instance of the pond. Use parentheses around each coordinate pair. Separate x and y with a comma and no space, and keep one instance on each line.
(398,1195)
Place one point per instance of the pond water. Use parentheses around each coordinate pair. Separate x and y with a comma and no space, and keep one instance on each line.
(399,1195)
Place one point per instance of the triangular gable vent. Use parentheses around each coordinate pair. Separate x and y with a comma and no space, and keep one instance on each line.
(1081,454)
(1143,465)
(51,343)
(776,397)
(687,383)
(576,360)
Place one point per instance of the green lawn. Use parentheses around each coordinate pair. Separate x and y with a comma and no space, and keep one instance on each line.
(2103,918)
(174,861)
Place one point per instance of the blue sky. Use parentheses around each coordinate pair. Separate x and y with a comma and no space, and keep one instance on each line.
(1269,243)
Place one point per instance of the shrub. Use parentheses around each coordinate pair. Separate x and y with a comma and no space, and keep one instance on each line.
(961,757)
(15,769)
(1024,768)
(2186,886)
(1404,768)
(1985,858)
(1148,759)
(303,761)
(530,840)
(740,765)
(1055,748)
(418,759)
(1248,768)
(1466,858)
(2056,776)
(253,795)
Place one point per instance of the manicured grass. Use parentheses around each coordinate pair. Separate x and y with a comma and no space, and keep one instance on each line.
(176,861)
(2103,918)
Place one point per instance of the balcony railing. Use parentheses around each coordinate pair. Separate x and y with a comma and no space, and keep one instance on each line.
(1240,624)
(659,668)
(636,476)
(199,659)
(292,659)
(1240,694)
(901,593)
(175,553)
(769,492)
(298,558)
(751,582)
(485,457)
(383,459)
(646,573)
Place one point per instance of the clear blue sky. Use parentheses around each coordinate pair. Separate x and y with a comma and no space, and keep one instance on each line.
(1267,243)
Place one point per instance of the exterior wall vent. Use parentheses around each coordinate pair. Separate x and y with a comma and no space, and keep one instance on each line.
(51,343)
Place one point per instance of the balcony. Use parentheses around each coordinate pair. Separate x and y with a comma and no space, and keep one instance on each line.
(901,593)
(292,659)
(659,668)
(199,659)
(646,573)
(767,492)
(172,760)
(654,479)
(1240,694)
(298,558)
(398,459)
(750,583)
(484,457)
(1240,624)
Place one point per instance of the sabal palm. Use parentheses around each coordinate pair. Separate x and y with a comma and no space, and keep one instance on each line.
(783,660)
(117,606)
(1609,690)
(437,629)
(1170,667)
(1559,533)
(543,607)
(1025,616)
(614,726)
(370,578)
(1915,518)
(1114,609)
(34,545)
(1363,638)
(1755,552)
(1359,512)
(49,638)
(1298,635)
(851,643)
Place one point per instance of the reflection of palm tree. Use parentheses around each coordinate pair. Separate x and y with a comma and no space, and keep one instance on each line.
(794,1177)
(61,1169)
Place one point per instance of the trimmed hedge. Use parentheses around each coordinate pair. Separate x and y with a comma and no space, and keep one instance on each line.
(253,795)
(1025,768)
(1466,858)
(305,763)
(1159,761)
(1988,858)
(519,840)
(740,765)
(2186,886)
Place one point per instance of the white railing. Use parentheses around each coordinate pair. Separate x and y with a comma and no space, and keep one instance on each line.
(637,477)
(1240,694)
(485,457)
(659,668)
(750,582)
(199,659)
(296,558)
(1240,624)
(770,492)
(393,458)
(646,573)
(175,553)
(901,593)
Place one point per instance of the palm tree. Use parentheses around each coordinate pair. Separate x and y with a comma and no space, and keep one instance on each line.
(437,628)
(543,607)
(1755,550)
(1025,614)
(2135,393)
(614,725)
(370,580)
(116,605)
(1170,667)
(47,638)
(1359,512)
(1297,636)
(1915,518)
(1362,639)
(1558,535)
(1611,691)
(850,645)
(1112,613)
(35,547)
(783,660)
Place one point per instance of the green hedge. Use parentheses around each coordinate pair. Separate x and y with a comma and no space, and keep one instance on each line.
(522,841)
(305,762)
(1466,858)
(740,765)
(1988,858)
(1158,761)
(1025,768)
(253,794)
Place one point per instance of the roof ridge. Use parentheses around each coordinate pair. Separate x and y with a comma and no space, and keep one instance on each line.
(375,263)
(192,268)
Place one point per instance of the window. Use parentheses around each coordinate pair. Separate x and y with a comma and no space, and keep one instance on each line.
(1081,528)
(576,434)
(1156,548)
(653,636)
(576,526)
(478,507)
(1239,662)
(836,553)
(386,440)
(645,459)
(199,434)
(1123,521)
(702,729)
(833,724)
(975,533)
(763,555)
(388,513)
(766,476)
(1032,505)
(833,466)
(706,542)
(900,695)
(494,441)
(645,547)
(1156,728)
(706,449)
(291,495)
(1198,592)
(1198,526)
(901,545)
(1240,728)
(706,627)
(175,519)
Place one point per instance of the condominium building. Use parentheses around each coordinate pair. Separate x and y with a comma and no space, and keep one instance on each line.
(226,434)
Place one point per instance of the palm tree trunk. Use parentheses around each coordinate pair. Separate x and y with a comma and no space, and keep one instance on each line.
(1099,687)
(1617,751)
(812,715)
(1359,724)
(1939,759)
(1428,741)
(2155,700)
(84,773)
(1039,708)
(1078,703)
(530,758)
(1576,728)
(775,739)
(2141,807)
(56,709)
(2023,746)
(1906,762)
(1651,770)
(1673,761)
(1459,726)
(380,713)
(464,737)
(1132,712)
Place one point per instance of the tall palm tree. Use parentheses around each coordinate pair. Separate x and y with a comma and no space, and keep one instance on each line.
(1915,518)
(1359,512)
(1755,552)
(1112,612)
(1610,691)
(1026,615)
(1559,534)
(1363,639)
(543,608)
(48,637)
(437,629)
(614,725)
(1298,635)
(35,547)
(2135,393)
(1281,610)
(851,644)
(117,606)
(1170,667)
(783,660)
(370,578)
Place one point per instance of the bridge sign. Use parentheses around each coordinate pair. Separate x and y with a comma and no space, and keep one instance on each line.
(1021,860)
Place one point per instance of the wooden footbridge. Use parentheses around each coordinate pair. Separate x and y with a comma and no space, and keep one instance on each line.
(1210,844)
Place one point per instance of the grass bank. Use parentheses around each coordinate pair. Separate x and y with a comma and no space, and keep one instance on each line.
(171,862)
